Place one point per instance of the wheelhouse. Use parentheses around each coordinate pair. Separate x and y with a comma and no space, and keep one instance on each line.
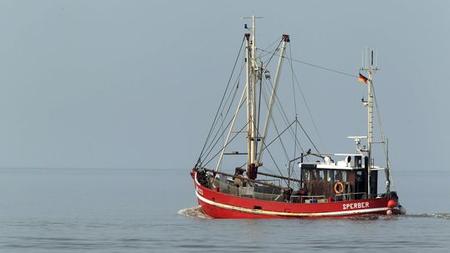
(342,180)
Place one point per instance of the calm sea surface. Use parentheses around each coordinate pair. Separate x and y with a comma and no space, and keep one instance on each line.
(139,210)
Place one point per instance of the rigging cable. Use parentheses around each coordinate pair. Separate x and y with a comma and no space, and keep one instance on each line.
(305,101)
(224,146)
(282,112)
(266,146)
(277,49)
(275,163)
(220,105)
(307,136)
(383,137)
(316,66)
(259,112)
(295,100)
(216,135)
(223,132)
(267,51)
(292,77)
(276,128)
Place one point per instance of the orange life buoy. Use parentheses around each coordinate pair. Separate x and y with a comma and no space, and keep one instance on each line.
(338,187)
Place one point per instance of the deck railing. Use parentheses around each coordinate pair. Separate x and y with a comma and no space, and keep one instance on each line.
(272,190)
(258,192)
(349,196)
(308,199)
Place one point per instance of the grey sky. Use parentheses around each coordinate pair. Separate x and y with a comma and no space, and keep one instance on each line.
(118,84)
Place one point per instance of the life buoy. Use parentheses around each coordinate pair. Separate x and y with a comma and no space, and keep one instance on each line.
(338,187)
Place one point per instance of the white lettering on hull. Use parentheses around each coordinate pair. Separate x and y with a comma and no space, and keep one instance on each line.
(358,205)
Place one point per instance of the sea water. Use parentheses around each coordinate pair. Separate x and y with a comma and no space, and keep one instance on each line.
(154,210)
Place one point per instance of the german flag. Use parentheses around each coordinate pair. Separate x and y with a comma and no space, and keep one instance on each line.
(363,79)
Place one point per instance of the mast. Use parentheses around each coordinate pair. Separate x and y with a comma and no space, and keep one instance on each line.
(369,129)
(370,68)
(253,137)
(251,79)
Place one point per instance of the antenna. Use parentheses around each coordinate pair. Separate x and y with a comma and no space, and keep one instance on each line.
(369,60)
(371,57)
(357,140)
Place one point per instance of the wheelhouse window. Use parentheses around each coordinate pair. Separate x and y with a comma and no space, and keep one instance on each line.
(322,182)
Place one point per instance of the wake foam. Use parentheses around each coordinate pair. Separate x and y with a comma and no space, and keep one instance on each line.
(445,216)
(194,212)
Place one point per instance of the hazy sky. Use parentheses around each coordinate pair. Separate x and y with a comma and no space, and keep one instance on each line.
(134,84)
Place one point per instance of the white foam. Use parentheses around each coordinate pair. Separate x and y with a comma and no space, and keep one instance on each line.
(194,212)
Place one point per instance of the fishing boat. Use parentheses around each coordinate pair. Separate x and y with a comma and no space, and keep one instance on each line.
(239,174)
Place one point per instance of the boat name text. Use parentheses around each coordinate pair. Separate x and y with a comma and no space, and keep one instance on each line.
(358,205)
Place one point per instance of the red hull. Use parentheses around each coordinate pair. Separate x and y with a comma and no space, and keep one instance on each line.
(226,206)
